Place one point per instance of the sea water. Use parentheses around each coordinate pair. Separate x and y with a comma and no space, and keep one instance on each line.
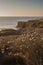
(11,22)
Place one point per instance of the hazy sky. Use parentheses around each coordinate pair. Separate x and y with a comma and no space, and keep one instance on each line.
(21,7)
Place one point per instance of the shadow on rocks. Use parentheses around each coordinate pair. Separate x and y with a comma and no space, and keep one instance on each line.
(14,60)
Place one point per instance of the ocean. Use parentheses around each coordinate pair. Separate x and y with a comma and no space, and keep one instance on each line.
(11,22)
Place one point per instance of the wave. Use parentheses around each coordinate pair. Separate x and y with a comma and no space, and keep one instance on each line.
(8,27)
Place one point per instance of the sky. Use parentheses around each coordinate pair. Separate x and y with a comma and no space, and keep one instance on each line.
(21,7)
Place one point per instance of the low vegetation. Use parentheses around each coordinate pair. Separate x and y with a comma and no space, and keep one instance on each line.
(24,48)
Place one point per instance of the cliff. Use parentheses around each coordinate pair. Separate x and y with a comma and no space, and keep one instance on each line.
(23,26)
(30,24)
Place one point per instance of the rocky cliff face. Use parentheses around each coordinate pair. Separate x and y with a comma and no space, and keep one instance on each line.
(22,27)
(31,24)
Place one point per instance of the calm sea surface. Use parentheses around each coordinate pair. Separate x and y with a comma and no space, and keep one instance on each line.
(11,22)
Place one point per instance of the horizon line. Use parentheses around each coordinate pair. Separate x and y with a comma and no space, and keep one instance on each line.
(21,16)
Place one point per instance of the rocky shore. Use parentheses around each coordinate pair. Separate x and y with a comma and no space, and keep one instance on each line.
(23,46)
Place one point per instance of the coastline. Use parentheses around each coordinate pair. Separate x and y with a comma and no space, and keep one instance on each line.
(22,45)
(7,22)
(30,24)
